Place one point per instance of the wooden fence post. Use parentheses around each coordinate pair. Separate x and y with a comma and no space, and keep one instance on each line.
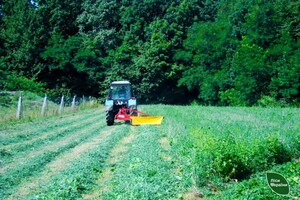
(61,107)
(44,106)
(90,101)
(19,109)
(83,100)
(73,103)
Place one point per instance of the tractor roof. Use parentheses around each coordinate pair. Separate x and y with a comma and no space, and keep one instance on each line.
(120,82)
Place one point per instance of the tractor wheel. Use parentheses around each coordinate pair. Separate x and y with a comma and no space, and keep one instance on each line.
(110,118)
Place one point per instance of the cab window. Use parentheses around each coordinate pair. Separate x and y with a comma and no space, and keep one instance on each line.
(120,91)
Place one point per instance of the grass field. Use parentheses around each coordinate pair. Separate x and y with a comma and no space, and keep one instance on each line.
(197,152)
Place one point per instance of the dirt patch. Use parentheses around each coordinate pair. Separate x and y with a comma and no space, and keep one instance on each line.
(192,194)
(164,143)
(60,163)
(120,149)
(166,157)
(115,156)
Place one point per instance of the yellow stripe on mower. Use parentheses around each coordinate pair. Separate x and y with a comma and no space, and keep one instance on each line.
(142,120)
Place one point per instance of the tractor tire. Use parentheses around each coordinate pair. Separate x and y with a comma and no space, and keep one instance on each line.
(110,118)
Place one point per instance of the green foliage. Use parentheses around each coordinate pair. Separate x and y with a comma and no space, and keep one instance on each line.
(99,20)
(252,73)
(231,97)
(3,73)
(31,137)
(206,70)
(61,16)
(81,176)
(233,62)
(214,52)
(285,82)
(75,57)
(270,101)
(21,83)
(235,143)
(144,174)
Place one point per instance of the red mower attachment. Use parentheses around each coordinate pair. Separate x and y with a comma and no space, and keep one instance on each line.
(124,114)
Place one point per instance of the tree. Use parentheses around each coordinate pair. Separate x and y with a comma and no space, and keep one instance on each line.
(17,24)
(205,57)
(72,64)
(217,52)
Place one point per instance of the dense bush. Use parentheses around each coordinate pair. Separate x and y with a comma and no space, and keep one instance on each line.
(21,83)
(234,158)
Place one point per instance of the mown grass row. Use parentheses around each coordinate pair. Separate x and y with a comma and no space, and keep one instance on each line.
(12,177)
(53,134)
(26,131)
(80,177)
(144,173)
(45,131)
(220,146)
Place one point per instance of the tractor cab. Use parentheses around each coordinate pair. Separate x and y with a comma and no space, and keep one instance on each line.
(120,90)
(120,95)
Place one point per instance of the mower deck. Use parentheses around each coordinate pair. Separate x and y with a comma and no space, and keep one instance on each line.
(138,118)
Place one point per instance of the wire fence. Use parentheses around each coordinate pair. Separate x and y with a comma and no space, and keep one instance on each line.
(15,105)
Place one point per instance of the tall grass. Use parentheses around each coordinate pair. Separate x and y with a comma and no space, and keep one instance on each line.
(227,144)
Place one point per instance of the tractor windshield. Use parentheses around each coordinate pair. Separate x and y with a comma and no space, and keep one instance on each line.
(120,91)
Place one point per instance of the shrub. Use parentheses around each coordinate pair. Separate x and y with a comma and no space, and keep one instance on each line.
(269,101)
(21,83)
(232,97)
(230,158)
(5,100)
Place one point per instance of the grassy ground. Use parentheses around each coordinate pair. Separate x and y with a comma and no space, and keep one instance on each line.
(217,153)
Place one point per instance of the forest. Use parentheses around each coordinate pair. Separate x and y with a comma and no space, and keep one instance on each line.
(209,52)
